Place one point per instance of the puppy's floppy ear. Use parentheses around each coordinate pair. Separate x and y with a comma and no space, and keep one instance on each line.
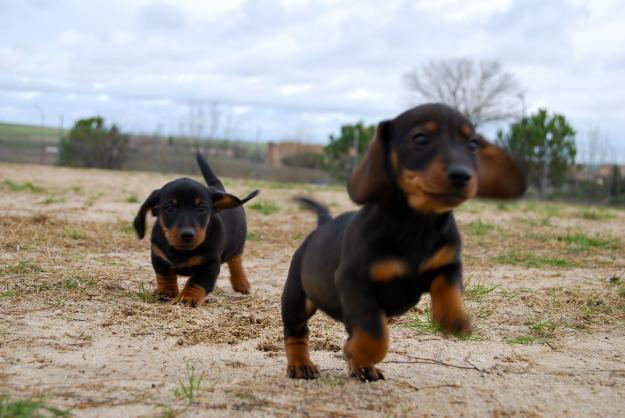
(223,200)
(370,180)
(498,176)
(150,204)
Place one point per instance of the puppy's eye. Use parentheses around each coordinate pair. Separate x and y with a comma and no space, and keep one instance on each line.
(474,145)
(170,209)
(420,138)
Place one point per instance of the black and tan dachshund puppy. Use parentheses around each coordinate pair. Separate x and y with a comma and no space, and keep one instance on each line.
(366,266)
(198,228)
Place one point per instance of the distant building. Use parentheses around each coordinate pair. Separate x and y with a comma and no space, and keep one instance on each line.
(277,151)
(596,173)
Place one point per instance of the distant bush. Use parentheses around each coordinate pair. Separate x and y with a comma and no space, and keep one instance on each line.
(343,151)
(92,144)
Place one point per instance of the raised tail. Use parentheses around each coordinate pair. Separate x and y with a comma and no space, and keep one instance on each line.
(323,214)
(209,176)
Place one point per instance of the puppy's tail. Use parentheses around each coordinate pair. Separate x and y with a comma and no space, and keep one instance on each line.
(209,176)
(323,214)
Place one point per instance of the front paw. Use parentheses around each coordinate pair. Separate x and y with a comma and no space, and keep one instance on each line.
(166,293)
(457,324)
(303,371)
(191,295)
(241,286)
(366,374)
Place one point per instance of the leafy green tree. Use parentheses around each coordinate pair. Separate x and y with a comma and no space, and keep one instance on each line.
(344,151)
(544,145)
(92,144)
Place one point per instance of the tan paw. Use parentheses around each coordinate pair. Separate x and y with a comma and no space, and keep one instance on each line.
(191,295)
(366,374)
(303,371)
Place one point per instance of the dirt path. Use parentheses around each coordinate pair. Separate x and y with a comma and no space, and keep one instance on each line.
(80,330)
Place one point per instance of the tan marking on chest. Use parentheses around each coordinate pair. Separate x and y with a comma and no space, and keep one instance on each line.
(443,256)
(385,270)
(194,261)
(160,254)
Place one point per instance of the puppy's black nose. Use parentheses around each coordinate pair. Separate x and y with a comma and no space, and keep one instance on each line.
(459,176)
(187,234)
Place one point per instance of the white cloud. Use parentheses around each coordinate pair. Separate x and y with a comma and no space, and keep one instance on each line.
(298,66)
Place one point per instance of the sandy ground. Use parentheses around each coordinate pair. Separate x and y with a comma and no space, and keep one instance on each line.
(80,330)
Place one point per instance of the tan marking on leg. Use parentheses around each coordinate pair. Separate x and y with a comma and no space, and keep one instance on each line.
(238,278)
(385,270)
(309,308)
(167,286)
(299,364)
(364,351)
(442,257)
(192,295)
(448,307)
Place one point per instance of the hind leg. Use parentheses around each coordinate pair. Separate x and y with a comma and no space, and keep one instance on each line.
(238,278)
(296,310)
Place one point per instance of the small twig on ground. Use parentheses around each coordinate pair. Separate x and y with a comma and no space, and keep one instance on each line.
(417,388)
(423,360)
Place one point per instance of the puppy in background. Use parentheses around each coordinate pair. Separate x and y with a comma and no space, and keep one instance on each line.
(198,228)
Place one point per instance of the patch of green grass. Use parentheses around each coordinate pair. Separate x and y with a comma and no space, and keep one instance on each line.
(478,291)
(75,283)
(617,281)
(92,199)
(146,295)
(593,307)
(189,386)
(254,236)
(128,228)
(21,267)
(533,260)
(29,408)
(545,209)
(479,228)
(22,187)
(423,323)
(132,198)
(296,236)
(49,200)
(75,234)
(513,293)
(537,236)
(544,221)
(522,339)
(507,206)
(9,294)
(593,214)
(581,242)
(541,330)
(264,207)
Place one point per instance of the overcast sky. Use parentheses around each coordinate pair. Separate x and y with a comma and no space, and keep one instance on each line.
(293,68)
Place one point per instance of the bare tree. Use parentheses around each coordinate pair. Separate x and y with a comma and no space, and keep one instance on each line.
(480,90)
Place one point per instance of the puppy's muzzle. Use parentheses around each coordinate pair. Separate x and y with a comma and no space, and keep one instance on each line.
(187,235)
(459,176)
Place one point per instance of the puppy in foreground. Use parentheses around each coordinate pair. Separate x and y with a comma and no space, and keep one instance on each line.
(365,266)
(198,228)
